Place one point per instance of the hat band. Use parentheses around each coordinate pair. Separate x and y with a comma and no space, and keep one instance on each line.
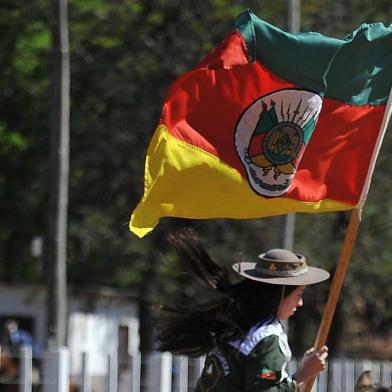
(280,269)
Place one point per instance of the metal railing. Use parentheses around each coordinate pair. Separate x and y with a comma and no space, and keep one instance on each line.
(158,372)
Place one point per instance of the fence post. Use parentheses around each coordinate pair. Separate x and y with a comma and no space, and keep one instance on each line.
(180,373)
(386,373)
(112,372)
(376,371)
(159,371)
(348,382)
(25,369)
(166,372)
(195,369)
(56,370)
(335,381)
(86,380)
(135,370)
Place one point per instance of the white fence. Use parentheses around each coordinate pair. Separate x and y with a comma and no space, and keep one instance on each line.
(161,373)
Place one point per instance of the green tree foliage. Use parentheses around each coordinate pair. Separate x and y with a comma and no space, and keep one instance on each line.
(24,100)
(124,56)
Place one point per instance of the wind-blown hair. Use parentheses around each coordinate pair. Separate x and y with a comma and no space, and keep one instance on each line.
(221,312)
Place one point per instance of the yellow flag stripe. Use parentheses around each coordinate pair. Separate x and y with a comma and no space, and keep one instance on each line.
(182,180)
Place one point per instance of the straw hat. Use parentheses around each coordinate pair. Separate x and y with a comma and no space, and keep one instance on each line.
(280,266)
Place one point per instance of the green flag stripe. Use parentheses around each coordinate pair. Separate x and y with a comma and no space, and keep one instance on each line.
(356,70)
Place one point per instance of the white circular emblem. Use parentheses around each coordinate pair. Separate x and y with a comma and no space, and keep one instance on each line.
(271,137)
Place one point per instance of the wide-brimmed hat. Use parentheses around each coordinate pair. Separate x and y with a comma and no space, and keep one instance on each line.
(280,266)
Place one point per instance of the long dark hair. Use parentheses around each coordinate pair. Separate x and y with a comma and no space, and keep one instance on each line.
(218,313)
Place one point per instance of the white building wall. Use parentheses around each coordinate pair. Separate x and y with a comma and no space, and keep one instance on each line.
(93,322)
(96,335)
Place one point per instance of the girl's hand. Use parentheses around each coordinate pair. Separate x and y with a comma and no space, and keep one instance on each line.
(311,365)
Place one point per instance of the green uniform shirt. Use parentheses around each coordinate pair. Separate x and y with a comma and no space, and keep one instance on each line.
(256,363)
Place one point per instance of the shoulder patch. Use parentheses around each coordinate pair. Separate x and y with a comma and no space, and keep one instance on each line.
(268,374)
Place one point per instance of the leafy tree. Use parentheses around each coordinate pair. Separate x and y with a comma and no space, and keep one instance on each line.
(24,59)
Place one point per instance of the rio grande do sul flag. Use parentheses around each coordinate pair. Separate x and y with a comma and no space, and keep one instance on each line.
(269,123)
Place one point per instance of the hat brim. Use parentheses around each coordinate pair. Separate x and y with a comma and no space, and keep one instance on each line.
(312,276)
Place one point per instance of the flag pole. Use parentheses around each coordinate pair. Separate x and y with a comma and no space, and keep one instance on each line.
(348,244)
(337,283)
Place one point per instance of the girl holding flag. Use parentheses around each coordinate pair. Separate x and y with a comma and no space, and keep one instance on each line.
(238,325)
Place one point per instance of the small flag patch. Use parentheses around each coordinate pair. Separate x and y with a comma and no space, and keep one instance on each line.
(268,374)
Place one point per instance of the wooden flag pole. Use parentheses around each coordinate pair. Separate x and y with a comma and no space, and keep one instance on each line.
(337,283)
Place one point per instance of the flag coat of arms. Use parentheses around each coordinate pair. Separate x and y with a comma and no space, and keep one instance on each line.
(268,123)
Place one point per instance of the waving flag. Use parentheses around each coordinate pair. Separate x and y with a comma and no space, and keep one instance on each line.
(269,123)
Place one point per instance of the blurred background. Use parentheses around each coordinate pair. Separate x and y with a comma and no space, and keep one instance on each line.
(124,54)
